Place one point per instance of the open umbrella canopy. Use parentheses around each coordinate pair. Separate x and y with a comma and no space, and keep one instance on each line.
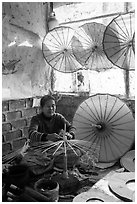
(119,41)
(105,120)
(87,46)
(57,50)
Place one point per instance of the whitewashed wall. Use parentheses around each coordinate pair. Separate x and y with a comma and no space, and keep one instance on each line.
(23,29)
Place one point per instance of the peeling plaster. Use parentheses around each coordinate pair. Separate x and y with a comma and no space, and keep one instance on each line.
(23,29)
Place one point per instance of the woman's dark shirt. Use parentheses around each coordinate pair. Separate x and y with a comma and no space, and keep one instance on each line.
(41,126)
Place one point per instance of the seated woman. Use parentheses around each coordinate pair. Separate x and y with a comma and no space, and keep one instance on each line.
(48,124)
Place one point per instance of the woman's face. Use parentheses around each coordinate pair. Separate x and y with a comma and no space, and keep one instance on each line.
(49,108)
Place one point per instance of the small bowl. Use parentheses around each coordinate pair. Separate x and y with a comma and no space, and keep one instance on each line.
(48,188)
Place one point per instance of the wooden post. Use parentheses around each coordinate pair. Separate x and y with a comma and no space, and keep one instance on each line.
(126,72)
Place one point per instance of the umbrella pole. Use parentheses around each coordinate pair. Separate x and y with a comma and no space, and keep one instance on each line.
(65,167)
(65,170)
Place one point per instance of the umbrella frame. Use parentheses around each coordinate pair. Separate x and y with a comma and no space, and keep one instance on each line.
(65,50)
(130,43)
(96,51)
(100,127)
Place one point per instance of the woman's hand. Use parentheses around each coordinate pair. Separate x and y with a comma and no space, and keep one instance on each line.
(54,137)
(25,148)
(69,136)
(62,132)
(66,134)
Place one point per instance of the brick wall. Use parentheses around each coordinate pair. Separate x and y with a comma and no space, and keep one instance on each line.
(68,105)
(16,116)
